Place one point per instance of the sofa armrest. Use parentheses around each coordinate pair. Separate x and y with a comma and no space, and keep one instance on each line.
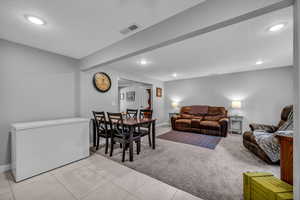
(224,120)
(173,120)
(264,127)
(224,126)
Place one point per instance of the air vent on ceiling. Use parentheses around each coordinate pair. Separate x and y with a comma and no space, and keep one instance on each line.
(129,29)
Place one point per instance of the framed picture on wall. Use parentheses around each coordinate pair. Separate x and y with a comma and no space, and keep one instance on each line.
(130,96)
(159,92)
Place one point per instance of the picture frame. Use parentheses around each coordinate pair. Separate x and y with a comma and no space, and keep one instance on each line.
(130,96)
(159,92)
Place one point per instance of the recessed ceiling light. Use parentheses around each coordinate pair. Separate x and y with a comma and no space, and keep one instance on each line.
(259,62)
(35,20)
(143,62)
(276,27)
(174,75)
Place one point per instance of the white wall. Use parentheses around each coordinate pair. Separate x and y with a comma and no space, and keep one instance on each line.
(34,85)
(91,99)
(263,93)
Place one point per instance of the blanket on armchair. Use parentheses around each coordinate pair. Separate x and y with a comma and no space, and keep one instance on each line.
(268,141)
(269,144)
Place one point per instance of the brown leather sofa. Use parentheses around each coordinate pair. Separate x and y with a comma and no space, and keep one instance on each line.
(208,120)
(249,139)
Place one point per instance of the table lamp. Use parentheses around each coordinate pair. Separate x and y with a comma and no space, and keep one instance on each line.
(175,105)
(236,105)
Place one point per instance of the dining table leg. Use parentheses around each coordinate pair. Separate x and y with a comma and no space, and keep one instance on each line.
(131,129)
(153,135)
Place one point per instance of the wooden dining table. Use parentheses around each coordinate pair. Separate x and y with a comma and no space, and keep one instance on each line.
(131,124)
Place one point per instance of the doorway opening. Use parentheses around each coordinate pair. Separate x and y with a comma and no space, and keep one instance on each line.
(134,95)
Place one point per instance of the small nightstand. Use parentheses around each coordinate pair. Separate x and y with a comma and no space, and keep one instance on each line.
(171,115)
(236,124)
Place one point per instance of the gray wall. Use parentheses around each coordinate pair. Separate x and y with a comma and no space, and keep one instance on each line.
(34,85)
(263,93)
(91,99)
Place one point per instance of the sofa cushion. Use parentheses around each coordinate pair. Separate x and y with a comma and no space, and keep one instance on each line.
(185,110)
(196,123)
(212,124)
(194,110)
(213,111)
(183,123)
(188,116)
(199,110)
(214,118)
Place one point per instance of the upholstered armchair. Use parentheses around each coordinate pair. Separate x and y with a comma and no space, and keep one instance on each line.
(264,127)
(249,140)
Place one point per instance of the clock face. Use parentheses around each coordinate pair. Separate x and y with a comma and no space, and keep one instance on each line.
(102,82)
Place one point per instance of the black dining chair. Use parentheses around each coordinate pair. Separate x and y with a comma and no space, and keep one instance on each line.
(145,129)
(121,134)
(132,113)
(101,129)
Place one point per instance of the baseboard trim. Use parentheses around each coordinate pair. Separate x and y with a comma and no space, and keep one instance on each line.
(162,124)
(4,168)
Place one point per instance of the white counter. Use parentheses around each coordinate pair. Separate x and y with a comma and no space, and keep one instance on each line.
(40,146)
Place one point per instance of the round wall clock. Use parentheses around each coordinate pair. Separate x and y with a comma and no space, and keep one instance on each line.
(102,82)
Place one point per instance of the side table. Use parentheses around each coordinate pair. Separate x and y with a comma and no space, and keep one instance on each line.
(236,124)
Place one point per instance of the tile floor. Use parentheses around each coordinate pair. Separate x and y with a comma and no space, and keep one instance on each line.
(94,178)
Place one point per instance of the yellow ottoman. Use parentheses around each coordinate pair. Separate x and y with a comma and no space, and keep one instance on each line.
(248,182)
(264,186)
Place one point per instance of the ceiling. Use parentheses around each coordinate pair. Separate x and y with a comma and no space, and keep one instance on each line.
(79,28)
(231,49)
(211,14)
(128,83)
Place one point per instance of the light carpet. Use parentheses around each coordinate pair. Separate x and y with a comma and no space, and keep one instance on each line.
(209,174)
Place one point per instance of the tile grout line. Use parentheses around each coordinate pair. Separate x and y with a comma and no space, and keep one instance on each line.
(64,186)
(96,187)
(108,180)
(84,196)
(138,198)
(93,189)
(174,194)
(111,180)
(130,191)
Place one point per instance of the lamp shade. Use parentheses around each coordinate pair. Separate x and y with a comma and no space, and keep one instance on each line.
(236,104)
(174,104)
